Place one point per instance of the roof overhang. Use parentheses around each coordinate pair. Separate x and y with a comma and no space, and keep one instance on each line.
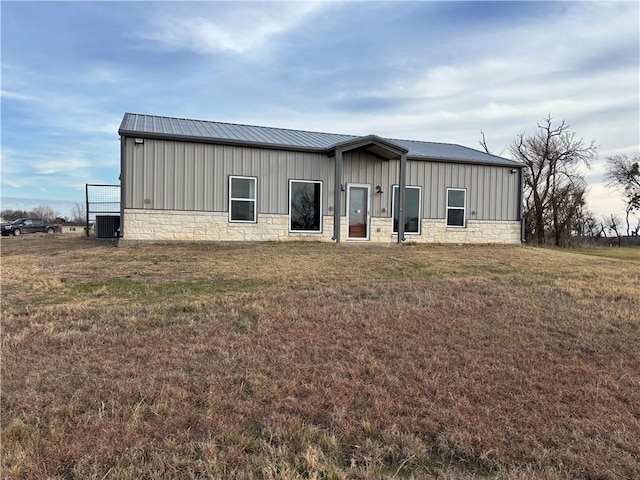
(499,162)
(372,144)
(217,141)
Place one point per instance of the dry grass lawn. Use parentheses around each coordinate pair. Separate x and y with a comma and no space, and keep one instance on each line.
(283,361)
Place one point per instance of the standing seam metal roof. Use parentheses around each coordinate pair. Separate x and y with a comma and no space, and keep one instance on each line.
(134,123)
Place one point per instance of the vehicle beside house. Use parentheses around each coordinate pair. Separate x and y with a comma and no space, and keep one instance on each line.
(196,180)
(29,225)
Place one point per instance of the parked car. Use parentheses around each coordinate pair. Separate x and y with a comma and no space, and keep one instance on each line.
(29,225)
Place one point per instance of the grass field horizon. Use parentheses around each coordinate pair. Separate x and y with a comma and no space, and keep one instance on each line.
(309,360)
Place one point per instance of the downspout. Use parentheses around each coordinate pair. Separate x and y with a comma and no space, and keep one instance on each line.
(402,180)
(337,196)
(122,184)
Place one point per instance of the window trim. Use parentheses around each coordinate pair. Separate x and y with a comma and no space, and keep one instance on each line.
(254,199)
(463,208)
(291,181)
(393,207)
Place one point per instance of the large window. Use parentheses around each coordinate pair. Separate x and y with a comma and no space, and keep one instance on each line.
(411,209)
(242,199)
(305,206)
(456,210)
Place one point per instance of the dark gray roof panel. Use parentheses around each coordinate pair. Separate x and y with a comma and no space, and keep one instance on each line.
(148,124)
(450,151)
(151,125)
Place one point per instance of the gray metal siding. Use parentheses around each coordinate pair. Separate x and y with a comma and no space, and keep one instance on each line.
(362,167)
(174,175)
(177,175)
(492,192)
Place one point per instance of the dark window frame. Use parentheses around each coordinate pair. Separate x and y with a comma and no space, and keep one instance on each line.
(394,229)
(320,223)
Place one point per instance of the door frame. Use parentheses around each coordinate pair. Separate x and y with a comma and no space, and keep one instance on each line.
(368,218)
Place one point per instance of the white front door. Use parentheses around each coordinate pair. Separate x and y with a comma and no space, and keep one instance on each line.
(358,218)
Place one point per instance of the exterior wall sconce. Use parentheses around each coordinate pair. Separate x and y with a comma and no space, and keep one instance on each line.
(378,189)
(341,187)
(330,208)
(514,170)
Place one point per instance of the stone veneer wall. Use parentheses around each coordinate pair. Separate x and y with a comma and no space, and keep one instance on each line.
(170,225)
(476,231)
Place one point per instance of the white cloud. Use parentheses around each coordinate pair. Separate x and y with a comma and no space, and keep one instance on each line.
(604,201)
(9,95)
(69,166)
(241,29)
(11,183)
(104,73)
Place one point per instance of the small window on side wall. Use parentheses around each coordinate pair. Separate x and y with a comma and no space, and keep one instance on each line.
(456,207)
(242,199)
(305,206)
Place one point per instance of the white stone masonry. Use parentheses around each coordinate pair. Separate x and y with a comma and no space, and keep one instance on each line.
(178,225)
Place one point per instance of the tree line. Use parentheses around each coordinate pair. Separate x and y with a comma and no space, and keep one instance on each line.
(554,189)
(46,213)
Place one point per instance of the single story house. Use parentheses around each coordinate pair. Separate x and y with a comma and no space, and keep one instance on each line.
(185,179)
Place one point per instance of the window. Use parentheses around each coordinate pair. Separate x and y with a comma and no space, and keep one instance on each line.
(411,209)
(305,206)
(242,199)
(456,199)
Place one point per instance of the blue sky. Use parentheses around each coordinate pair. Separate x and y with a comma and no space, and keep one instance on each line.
(436,71)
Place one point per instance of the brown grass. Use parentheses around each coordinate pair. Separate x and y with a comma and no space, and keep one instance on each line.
(315,361)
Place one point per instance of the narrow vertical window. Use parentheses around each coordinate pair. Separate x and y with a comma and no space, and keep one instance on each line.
(305,206)
(412,205)
(456,209)
(242,199)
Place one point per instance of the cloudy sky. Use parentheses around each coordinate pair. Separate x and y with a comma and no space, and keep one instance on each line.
(436,71)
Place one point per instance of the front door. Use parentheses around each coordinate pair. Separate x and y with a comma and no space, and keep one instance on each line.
(358,211)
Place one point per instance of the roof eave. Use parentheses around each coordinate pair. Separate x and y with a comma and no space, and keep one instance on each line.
(503,162)
(219,141)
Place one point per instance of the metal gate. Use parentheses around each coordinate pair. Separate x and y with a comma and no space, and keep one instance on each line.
(103,205)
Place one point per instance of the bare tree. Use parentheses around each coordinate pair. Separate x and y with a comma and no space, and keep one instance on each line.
(612,223)
(483,143)
(79,213)
(10,215)
(551,180)
(44,212)
(585,227)
(623,173)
